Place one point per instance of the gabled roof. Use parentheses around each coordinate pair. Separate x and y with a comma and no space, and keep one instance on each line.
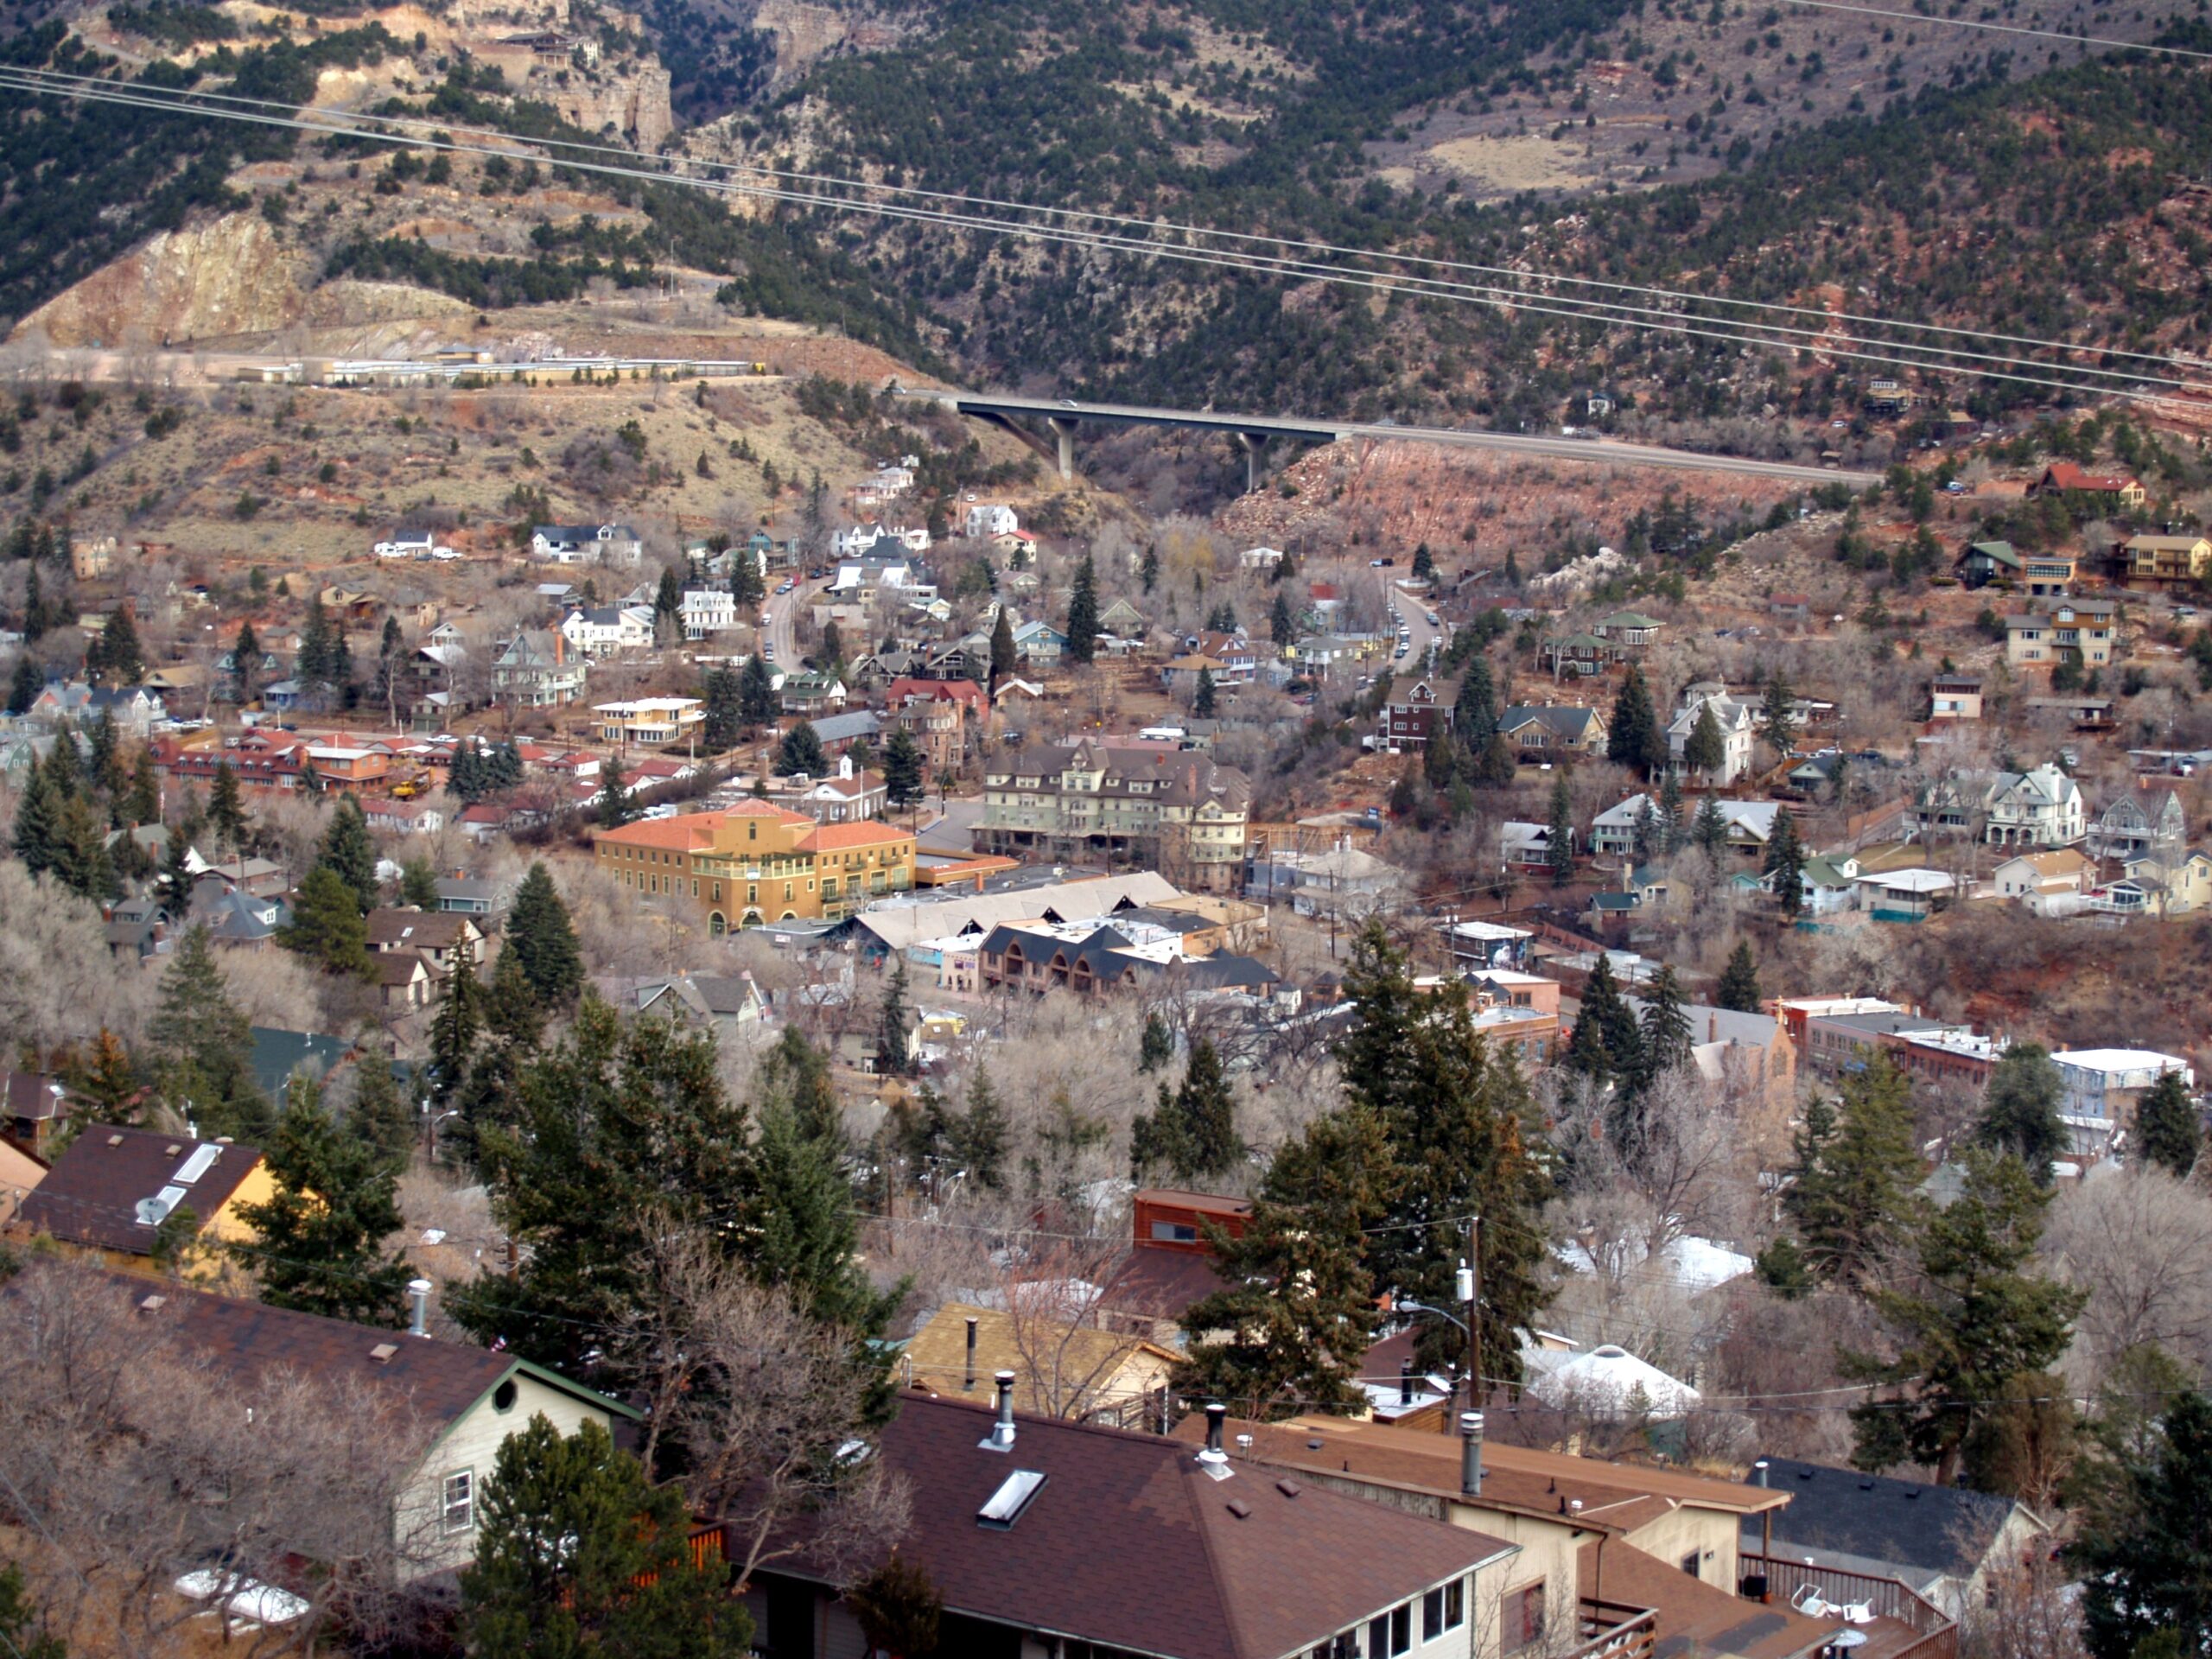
(1935,1528)
(419,929)
(92,1194)
(1129,1543)
(1051,1359)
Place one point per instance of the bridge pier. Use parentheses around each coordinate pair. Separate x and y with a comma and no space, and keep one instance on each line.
(1063,430)
(1255,445)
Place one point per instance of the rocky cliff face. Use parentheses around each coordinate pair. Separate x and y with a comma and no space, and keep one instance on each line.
(227,276)
(804,32)
(633,101)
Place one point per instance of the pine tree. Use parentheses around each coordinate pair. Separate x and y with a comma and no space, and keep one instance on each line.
(141,795)
(1004,659)
(1457,1116)
(380,1115)
(1500,763)
(891,1059)
(1191,1131)
(2168,1127)
(1633,738)
(226,809)
(1670,803)
(245,660)
(418,883)
(204,1042)
(176,876)
(1855,1170)
(832,652)
(1424,563)
(1560,853)
(1739,981)
(1474,711)
(668,598)
(902,768)
(1157,1045)
(1299,1310)
(2019,1109)
(80,858)
(544,941)
(984,1134)
(392,651)
(756,691)
(1082,613)
(1784,865)
(1709,829)
(327,925)
(1778,715)
(318,1244)
(1705,751)
(1203,701)
(453,1031)
(106,1083)
(1149,569)
(1282,627)
(1665,1035)
(799,752)
(120,660)
(617,806)
(724,718)
(316,666)
(2139,1553)
(36,834)
(350,851)
(1975,1321)
(576,1553)
(23,690)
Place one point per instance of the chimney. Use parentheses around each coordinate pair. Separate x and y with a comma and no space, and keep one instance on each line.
(1758,1472)
(418,1307)
(1470,1454)
(1406,1381)
(967,1386)
(1213,1458)
(1001,1437)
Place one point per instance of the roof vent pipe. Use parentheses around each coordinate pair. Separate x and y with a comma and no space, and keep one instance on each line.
(1216,1415)
(1758,1472)
(1406,1381)
(1470,1454)
(418,1307)
(1001,1437)
(968,1385)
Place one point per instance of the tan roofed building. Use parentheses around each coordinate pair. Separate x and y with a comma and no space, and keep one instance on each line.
(754,863)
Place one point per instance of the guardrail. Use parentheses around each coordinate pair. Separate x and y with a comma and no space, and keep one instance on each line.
(1887,1597)
(1611,1630)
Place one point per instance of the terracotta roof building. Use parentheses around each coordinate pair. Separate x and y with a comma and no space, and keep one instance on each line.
(754,864)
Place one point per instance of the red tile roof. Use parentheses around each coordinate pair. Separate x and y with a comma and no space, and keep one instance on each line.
(839,837)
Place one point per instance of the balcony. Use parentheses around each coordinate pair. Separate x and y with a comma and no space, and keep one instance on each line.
(1611,1630)
(1904,1625)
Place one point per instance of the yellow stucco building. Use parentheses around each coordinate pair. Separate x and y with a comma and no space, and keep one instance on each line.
(754,863)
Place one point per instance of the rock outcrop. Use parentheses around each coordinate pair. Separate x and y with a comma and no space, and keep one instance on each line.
(215,278)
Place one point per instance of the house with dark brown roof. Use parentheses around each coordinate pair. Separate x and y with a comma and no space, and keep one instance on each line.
(441,938)
(108,1194)
(458,1402)
(1058,1537)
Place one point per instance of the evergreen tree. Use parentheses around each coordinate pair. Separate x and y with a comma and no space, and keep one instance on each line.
(315,667)
(1474,711)
(466,778)
(1424,563)
(418,883)
(1634,739)
(36,837)
(176,875)
(1785,865)
(327,925)
(1855,1169)
(1499,765)
(116,657)
(245,663)
(2019,1109)
(617,806)
(2168,1127)
(1004,660)
(2140,1553)
(80,858)
(724,720)
(745,583)
(391,653)
(832,652)
(1739,981)
(1778,715)
(756,692)
(319,1237)
(800,752)
(1560,853)
(544,941)
(24,687)
(1193,1130)
(668,599)
(350,851)
(106,1083)
(1149,569)
(204,1043)
(36,618)
(1156,1046)
(1709,829)
(1282,627)
(453,1031)
(226,809)
(1974,1322)
(1202,702)
(983,1134)
(1671,801)
(1457,1116)
(1705,751)
(1666,1036)
(891,1057)
(141,795)
(380,1115)
(1082,613)
(578,1555)
(902,768)
(1299,1310)
(23,1630)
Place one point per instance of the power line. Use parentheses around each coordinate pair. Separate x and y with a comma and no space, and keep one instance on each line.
(1602,313)
(2005,29)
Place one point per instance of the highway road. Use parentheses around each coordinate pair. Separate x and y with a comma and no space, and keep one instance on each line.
(1597,451)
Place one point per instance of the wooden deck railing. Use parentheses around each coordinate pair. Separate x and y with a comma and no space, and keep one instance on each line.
(1612,1631)
(1888,1598)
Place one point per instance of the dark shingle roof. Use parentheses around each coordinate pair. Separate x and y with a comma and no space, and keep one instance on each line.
(91,1195)
(1937,1528)
(1129,1544)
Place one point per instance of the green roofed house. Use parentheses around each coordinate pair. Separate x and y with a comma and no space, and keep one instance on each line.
(1629,630)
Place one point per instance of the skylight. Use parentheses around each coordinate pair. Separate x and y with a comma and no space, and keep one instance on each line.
(1005,1505)
(202,1159)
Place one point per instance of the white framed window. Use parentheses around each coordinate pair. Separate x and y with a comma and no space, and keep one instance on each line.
(457,1501)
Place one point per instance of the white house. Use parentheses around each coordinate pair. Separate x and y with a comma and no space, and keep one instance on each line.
(1260,558)
(1738,723)
(605,629)
(990,518)
(2105,1085)
(2041,808)
(408,544)
(707,611)
(1750,824)
(609,544)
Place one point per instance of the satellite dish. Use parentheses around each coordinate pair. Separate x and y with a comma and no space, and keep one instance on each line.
(152,1212)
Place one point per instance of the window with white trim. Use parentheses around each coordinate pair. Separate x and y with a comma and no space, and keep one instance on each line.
(457,1502)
